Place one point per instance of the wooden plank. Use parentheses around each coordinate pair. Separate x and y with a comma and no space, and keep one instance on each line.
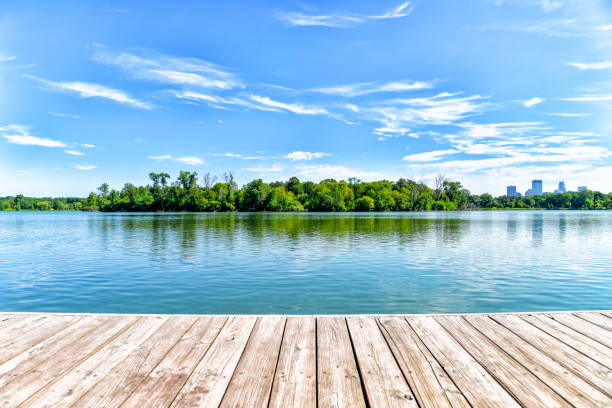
(208,382)
(71,386)
(429,382)
(252,380)
(528,389)
(54,367)
(295,381)
(9,320)
(21,327)
(597,318)
(476,384)
(383,381)
(163,384)
(585,327)
(564,382)
(32,357)
(339,384)
(578,341)
(118,384)
(39,333)
(590,370)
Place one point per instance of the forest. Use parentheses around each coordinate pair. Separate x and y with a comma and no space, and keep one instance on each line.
(188,192)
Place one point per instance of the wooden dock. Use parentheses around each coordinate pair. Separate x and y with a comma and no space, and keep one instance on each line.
(425,361)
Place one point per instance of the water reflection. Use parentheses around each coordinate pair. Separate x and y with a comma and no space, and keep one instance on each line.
(306,263)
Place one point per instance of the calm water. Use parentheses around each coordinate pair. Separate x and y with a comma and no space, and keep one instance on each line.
(306,263)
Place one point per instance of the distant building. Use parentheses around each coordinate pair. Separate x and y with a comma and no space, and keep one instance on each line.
(536,188)
(561,188)
(511,191)
(580,188)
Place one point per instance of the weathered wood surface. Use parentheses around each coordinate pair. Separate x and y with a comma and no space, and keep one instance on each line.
(452,361)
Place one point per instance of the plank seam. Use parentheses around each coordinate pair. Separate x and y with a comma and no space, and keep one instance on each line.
(518,362)
(48,357)
(556,358)
(126,357)
(590,321)
(280,349)
(196,364)
(387,338)
(361,381)
(584,334)
(238,363)
(441,366)
(567,344)
(66,371)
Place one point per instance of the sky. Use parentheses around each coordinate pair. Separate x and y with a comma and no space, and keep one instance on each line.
(487,92)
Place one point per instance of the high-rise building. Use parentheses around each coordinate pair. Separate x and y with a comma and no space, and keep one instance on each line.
(580,188)
(511,191)
(561,188)
(536,188)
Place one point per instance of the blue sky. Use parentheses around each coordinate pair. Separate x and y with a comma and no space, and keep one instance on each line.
(488,92)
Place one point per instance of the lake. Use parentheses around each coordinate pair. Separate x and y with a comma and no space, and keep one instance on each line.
(302,263)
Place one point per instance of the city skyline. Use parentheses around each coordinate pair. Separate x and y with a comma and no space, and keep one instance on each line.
(485,92)
(537,188)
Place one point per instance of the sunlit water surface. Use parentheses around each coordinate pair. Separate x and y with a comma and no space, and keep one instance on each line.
(306,263)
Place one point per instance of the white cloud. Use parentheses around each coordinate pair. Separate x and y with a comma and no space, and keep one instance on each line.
(591,66)
(300,155)
(6,58)
(532,102)
(87,145)
(397,116)
(340,19)
(190,160)
(364,88)
(63,115)
(74,152)
(319,172)
(85,167)
(168,69)
(429,156)
(19,134)
(91,90)
(546,5)
(296,108)
(162,157)
(589,98)
(261,169)
(569,115)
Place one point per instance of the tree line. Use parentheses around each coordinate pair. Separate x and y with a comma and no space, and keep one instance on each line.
(188,192)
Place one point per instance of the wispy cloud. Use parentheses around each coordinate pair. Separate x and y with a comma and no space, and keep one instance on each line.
(91,90)
(324,171)
(300,155)
(63,115)
(398,116)
(148,65)
(546,5)
(87,145)
(190,160)
(6,58)
(19,134)
(590,98)
(74,152)
(363,88)
(275,168)
(85,167)
(296,108)
(569,115)
(341,19)
(532,102)
(591,65)
(429,156)
(162,157)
